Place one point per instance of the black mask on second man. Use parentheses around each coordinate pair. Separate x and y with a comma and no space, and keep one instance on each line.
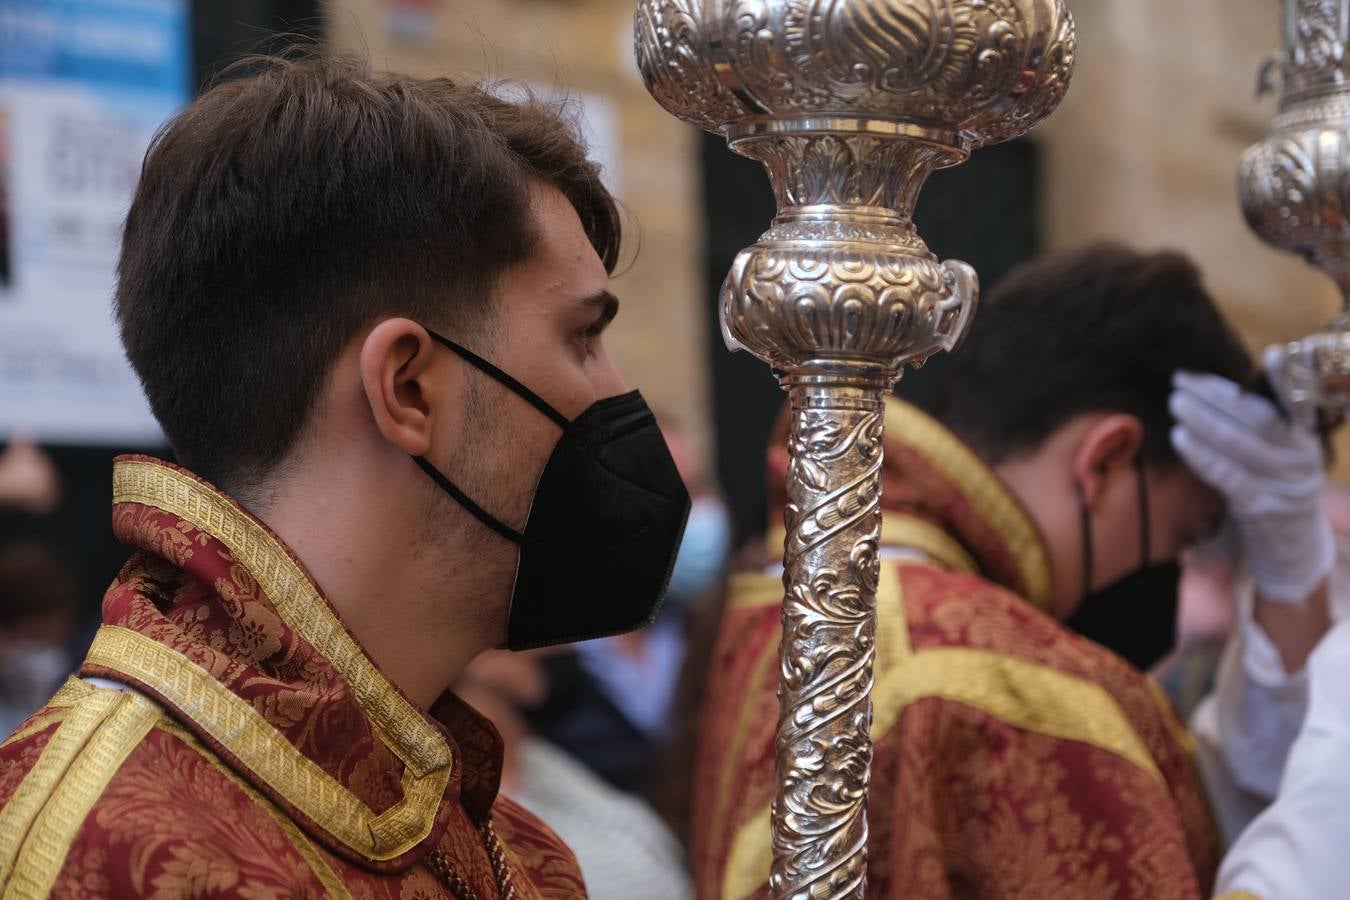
(1135,616)
(600,539)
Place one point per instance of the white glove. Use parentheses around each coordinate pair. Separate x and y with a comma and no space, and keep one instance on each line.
(1269,469)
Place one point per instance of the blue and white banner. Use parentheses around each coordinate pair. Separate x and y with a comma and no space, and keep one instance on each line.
(84,85)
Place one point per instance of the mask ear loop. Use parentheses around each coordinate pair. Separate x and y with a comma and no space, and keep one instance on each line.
(1141,479)
(505,380)
(1085,522)
(521,391)
(464,500)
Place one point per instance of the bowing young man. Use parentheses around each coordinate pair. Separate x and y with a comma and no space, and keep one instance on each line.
(368,312)
(1093,428)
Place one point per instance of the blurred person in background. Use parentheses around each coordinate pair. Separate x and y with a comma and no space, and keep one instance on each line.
(39,601)
(1232,722)
(1093,429)
(1295,848)
(622,846)
(28,478)
(611,703)
(368,312)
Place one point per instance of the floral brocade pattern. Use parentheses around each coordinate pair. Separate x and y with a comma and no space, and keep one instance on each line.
(173,824)
(196,598)
(966,801)
(154,799)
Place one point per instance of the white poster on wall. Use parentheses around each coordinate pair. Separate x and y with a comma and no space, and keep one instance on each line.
(84,84)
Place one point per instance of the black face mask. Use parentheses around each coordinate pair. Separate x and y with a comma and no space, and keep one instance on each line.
(1136,616)
(602,533)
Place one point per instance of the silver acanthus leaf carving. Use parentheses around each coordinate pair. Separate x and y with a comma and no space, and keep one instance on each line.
(831,571)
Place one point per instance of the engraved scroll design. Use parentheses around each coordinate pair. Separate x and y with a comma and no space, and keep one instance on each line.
(1034,99)
(824,751)
(1295,192)
(790,304)
(962,63)
(846,170)
(809,54)
(1315,37)
(977,71)
(672,56)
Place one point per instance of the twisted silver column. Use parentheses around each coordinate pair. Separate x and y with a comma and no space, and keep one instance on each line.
(850,105)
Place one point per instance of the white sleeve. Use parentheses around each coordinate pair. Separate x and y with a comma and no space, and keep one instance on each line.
(1296,849)
(1254,714)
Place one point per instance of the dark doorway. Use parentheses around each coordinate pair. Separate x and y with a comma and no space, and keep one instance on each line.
(225,31)
(984,212)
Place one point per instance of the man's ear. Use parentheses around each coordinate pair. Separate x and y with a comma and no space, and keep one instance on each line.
(1111,443)
(398,357)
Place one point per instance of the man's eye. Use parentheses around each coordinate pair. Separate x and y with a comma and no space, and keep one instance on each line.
(588,336)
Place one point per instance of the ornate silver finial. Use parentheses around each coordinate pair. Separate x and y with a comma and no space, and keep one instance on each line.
(850,105)
(1295,186)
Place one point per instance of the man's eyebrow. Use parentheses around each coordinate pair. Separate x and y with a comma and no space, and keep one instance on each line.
(607,303)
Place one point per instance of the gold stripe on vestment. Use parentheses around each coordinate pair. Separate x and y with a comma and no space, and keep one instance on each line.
(1025,695)
(36,724)
(235,725)
(66,696)
(72,692)
(16,818)
(982,488)
(422,749)
(754,589)
(108,726)
(323,872)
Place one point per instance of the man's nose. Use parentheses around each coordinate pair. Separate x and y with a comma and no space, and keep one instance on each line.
(609,381)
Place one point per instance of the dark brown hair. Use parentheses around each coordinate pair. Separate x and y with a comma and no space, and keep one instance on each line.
(1101,328)
(304,198)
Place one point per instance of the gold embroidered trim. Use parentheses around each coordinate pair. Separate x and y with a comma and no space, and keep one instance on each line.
(116,734)
(72,692)
(1025,695)
(422,749)
(978,483)
(910,532)
(264,751)
(16,818)
(46,719)
(66,696)
(754,589)
(750,858)
(893,645)
(1239,895)
(1180,733)
(332,884)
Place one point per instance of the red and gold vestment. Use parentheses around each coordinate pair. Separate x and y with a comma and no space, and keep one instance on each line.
(1013,758)
(227,736)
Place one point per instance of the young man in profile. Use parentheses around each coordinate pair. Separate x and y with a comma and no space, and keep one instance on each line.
(1093,428)
(368,312)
